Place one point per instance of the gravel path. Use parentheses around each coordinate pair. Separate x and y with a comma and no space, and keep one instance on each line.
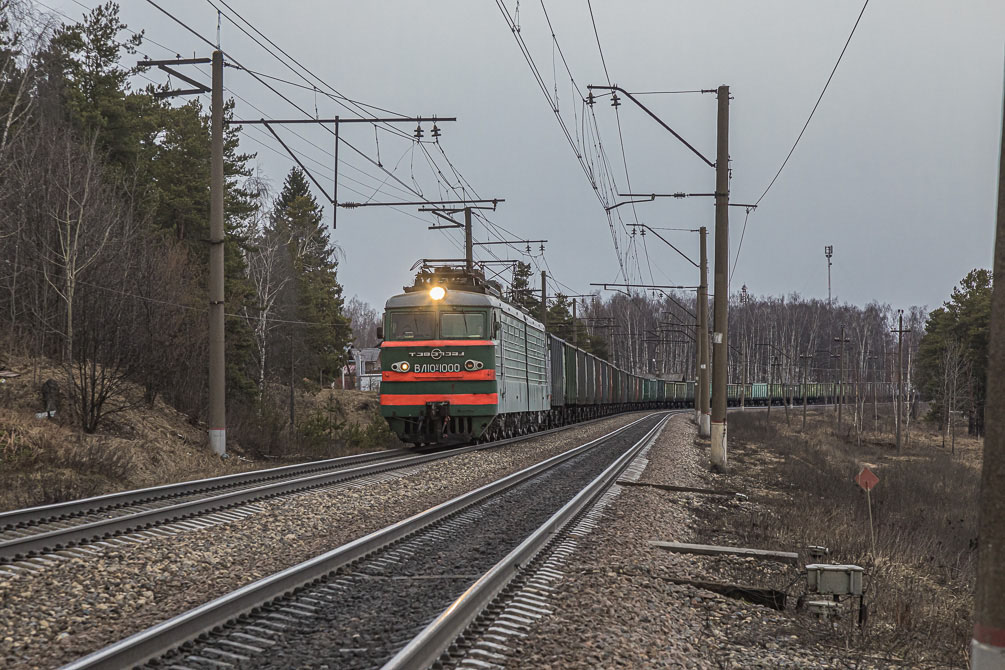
(80,605)
(616,609)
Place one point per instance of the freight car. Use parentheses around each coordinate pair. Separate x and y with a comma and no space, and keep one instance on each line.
(459,363)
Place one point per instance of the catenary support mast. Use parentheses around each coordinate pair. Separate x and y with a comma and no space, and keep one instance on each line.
(701,343)
(217,368)
(721,287)
(987,650)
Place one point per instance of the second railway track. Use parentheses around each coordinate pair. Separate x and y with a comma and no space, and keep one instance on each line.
(35,532)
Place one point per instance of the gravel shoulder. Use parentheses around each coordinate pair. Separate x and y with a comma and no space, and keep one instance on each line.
(618,608)
(81,605)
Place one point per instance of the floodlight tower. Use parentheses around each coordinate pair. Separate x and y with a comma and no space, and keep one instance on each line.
(828,252)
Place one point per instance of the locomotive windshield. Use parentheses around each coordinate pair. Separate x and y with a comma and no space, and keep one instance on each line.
(411,326)
(459,325)
(422,325)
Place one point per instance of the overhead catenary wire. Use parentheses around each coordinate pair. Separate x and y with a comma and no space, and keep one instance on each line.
(490,226)
(281,95)
(340,97)
(264,145)
(302,110)
(621,140)
(816,105)
(802,131)
(539,79)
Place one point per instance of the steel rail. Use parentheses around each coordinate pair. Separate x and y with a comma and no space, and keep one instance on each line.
(172,633)
(97,504)
(430,644)
(299,479)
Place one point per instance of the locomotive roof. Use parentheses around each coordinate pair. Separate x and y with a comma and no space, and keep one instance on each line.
(458,298)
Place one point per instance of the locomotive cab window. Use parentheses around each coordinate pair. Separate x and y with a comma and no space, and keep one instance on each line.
(456,325)
(411,326)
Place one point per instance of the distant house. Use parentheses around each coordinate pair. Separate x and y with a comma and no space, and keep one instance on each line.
(362,372)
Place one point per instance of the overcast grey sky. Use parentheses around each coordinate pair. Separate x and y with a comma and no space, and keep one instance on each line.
(897,169)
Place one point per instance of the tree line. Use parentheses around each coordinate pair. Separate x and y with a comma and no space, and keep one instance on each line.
(104,205)
(104,201)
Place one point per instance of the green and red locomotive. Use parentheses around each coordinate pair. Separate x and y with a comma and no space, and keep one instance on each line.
(460,363)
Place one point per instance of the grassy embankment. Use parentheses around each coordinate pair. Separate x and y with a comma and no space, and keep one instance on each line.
(44,461)
(920,580)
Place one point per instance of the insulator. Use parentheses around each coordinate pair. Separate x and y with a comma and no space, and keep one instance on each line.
(590,99)
(436,131)
(418,132)
(615,100)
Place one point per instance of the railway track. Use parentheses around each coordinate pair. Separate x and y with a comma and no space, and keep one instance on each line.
(31,537)
(363,603)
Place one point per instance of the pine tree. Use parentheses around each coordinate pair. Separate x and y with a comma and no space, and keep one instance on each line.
(313,258)
(521,292)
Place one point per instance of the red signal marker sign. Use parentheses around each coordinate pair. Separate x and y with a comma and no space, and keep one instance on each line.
(866,479)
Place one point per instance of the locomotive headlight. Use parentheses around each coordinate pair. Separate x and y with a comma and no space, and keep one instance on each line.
(437,292)
(403,366)
(469,365)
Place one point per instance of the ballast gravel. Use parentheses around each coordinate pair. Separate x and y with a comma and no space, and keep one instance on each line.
(617,607)
(80,605)
(388,598)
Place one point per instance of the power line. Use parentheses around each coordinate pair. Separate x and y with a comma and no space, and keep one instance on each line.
(178,305)
(339,96)
(273,89)
(696,90)
(817,104)
(740,245)
(621,138)
(553,104)
(253,139)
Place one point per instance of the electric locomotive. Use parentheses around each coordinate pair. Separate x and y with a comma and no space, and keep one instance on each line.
(443,380)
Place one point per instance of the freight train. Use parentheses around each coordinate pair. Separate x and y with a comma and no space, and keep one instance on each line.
(461,364)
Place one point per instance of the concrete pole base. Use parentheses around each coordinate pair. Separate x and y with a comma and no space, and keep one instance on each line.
(985,656)
(719,446)
(704,421)
(218,441)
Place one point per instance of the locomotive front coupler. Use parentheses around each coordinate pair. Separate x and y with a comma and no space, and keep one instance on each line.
(438,413)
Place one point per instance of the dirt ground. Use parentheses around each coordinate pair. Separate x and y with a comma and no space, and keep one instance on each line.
(919,560)
(46,460)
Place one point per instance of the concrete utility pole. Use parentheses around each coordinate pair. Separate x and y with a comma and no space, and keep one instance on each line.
(469,256)
(544,299)
(771,386)
(806,373)
(987,649)
(720,351)
(900,374)
(704,425)
(840,389)
(575,331)
(743,387)
(217,368)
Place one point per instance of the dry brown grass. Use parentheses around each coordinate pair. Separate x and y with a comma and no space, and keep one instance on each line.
(920,579)
(45,461)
